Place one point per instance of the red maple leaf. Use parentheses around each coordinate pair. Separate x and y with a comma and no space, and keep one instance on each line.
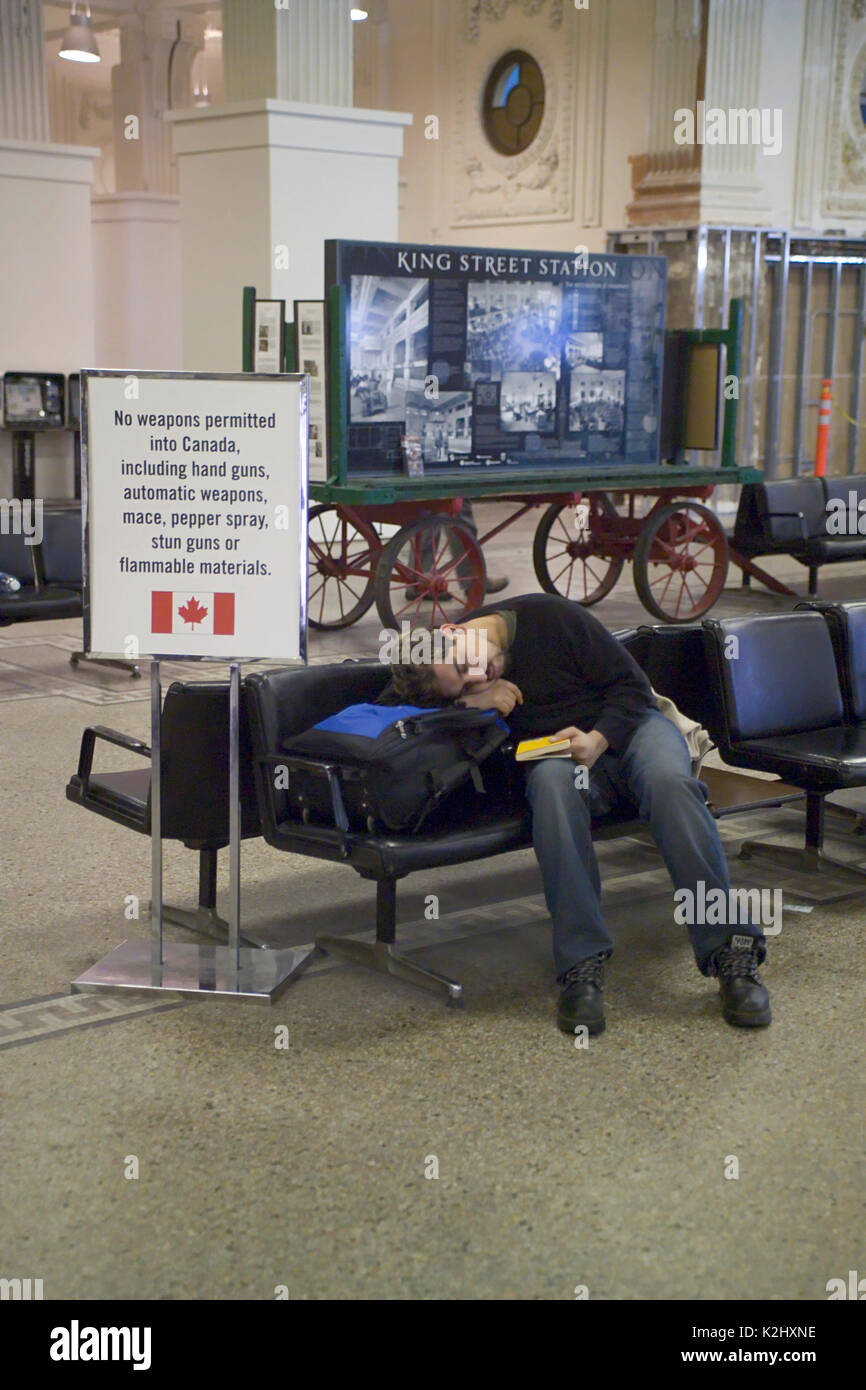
(192,611)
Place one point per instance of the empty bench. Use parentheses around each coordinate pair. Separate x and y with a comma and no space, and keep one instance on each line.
(799,517)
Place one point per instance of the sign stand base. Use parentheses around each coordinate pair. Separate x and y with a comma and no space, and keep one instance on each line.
(260,977)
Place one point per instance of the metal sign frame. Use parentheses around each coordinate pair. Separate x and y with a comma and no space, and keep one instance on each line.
(229,971)
(298,379)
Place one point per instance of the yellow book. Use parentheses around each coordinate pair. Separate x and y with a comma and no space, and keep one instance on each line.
(532,748)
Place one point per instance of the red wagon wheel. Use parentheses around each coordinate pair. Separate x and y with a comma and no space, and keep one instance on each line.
(578,564)
(431,572)
(341,560)
(680,562)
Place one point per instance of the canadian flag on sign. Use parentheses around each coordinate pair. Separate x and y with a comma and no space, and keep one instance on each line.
(180,612)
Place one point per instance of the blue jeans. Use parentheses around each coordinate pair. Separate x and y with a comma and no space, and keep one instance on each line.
(652,777)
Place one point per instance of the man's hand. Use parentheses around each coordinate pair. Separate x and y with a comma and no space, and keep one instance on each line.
(585,748)
(502,695)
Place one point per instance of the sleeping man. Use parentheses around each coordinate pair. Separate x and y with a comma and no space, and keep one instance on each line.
(552,669)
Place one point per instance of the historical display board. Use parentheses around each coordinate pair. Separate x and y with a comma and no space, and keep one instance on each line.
(311,357)
(499,357)
(195,493)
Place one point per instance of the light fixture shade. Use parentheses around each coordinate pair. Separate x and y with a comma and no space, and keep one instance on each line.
(80,44)
(356,13)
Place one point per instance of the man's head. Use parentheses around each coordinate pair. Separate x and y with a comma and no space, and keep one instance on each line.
(471,660)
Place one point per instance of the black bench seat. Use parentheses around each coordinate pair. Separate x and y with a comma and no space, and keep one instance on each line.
(467,826)
(790,517)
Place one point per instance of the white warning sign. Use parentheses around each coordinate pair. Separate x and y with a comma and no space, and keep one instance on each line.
(196,501)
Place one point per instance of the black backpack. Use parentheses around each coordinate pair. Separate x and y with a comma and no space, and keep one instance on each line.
(380,767)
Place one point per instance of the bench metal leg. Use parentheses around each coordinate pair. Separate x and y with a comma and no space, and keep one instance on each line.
(380,954)
(811,859)
(805,861)
(848,813)
(205,920)
(130,666)
(769,581)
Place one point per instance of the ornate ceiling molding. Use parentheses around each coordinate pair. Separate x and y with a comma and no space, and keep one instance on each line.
(476,11)
(539,184)
(844,192)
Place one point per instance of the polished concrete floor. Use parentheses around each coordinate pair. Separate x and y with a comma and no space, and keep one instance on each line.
(293,1148)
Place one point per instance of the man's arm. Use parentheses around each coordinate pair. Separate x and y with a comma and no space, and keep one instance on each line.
(585,748)
(604,661)
(502,695)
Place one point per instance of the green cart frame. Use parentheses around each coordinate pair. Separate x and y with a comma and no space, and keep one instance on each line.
(594,519)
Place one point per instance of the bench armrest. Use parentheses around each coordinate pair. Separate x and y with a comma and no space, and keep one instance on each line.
(88,744)
(330,771)
(804,534)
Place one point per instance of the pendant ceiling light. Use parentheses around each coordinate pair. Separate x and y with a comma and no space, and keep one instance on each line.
(80,45)
(357,14)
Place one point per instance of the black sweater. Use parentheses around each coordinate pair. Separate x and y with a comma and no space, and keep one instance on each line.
(570,670)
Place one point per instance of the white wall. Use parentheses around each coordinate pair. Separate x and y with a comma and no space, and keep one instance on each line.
(598,68)
(782,57)
(257,177)
(46,288)
(136,247)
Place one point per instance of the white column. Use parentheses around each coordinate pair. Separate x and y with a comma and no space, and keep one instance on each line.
(676,53)
(136,230)
(298,50)
(23,107)
(136,250)
(732,184)
(262,181)
(141,94)
(667,177)
(46,288)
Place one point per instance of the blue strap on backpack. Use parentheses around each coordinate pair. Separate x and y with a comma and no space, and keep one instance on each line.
(368,720)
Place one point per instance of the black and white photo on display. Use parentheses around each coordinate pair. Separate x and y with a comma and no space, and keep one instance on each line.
(584,350)
(311,350)
(596,402)
(513,326)
(388,334)
(268,335)
(527,402)
(444,426)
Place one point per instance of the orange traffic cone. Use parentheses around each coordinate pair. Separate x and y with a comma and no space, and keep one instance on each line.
(822,443)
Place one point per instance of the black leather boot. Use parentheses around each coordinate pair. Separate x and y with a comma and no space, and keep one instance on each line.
(745,1001)
(582,998)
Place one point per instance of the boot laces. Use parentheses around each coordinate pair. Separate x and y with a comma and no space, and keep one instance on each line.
(737,963)
(589,971)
